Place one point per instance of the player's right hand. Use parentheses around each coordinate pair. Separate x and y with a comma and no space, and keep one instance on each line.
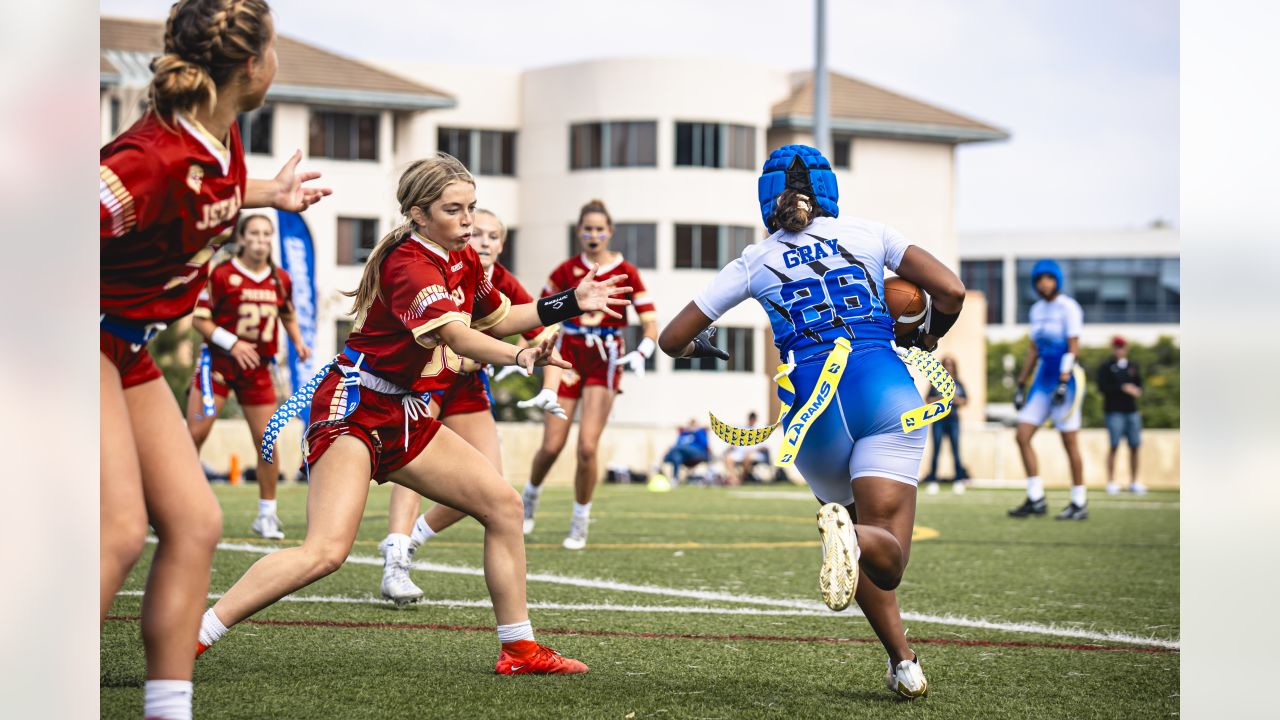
(704,346)
(245,355)
(1019,399)
(546,401)
(508,370)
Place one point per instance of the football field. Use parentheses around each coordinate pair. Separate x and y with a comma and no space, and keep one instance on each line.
(703,603)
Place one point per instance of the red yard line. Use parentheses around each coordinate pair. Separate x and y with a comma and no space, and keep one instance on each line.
(694,636)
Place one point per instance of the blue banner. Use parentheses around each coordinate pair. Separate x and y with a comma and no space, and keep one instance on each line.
(298,258)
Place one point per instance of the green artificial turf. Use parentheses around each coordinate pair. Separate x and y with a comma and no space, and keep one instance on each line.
(1115,573)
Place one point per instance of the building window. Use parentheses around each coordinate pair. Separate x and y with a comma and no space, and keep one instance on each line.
(710,247)
(484,152)
(715,145)
(356,238)
(1113,289)
(344,135)
(507,258)
(638,243)
(631,337)
(255,130)
(115,116)
(613,144)
(987,276)
(738,342)
(842,151)
(341,330)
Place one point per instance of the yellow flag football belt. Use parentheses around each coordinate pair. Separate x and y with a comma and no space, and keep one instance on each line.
(820,397)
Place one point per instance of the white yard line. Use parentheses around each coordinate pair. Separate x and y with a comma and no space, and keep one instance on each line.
(792,607)
(967,498)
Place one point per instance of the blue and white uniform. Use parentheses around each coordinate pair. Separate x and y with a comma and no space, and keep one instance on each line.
(818,285)
(1053,322)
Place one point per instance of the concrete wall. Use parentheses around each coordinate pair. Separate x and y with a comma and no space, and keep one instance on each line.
(990,453)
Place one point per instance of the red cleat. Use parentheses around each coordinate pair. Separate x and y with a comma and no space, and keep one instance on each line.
(200,648)
(528,657)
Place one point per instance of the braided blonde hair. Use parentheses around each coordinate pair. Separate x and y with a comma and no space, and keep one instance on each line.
(205,41)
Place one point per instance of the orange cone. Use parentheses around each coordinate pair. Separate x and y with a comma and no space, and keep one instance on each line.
(233,475)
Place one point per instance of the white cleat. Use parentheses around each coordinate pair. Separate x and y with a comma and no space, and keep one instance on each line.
(1113,489)
(838,579)
(268,527)
(577,537)
(1138,489)
(396,585)
(907,679)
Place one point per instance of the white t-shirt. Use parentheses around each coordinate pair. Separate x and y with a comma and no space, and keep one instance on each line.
(1053,322)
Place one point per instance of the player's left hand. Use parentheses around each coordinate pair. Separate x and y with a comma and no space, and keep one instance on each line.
(1060,394)
(290,193)
(504,372)
(704,346)
(541,355)
(633,361)
(546,401)
(592,294)
(304,353)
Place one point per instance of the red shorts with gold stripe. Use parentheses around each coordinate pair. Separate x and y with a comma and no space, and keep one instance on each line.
(466,394)
(595,362)
(135,366)
(253,387)
(378,422)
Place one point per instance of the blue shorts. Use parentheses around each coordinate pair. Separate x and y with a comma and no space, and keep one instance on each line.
(1126,425)
(860,433)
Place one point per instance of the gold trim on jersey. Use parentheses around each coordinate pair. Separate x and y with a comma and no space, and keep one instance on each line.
(117,199)
(423,333)
(546,333)
(648,315)
(204,313)
(494,317)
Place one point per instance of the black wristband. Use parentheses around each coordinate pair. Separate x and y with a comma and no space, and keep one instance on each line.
(558,308)
(939,322)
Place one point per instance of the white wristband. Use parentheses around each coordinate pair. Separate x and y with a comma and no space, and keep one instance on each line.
(646,348)
(1068,363)
(223,338)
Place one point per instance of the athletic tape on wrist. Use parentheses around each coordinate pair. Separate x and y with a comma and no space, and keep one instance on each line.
(223,338)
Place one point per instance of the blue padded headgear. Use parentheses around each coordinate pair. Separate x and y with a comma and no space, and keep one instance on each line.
(1046,267)
(803,169)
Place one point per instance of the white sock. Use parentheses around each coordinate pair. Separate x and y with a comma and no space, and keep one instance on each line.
(515,632)
(1035,488)
(395,546)
(422,532)
(532,491)
(581,511)
(266,507)
(168,699)
(211,628)
(1077,495)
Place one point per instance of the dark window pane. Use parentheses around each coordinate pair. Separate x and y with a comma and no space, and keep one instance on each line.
(710,145)
(742,147)
(342,328)
(740,343)
(575,246)
(508,166)
(684,143)
(637,242)
(490,152)
(684,246)
(342,147)
(507,258)
(739,238)
(646,143)
(988,277)
(585,141)
(841,149)
(708,247)
(455,142)
(346,241)
(367,137)
(115,116)
(316,135)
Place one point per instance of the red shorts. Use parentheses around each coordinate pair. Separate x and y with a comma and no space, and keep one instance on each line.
(466,394)
(135,366)
(253,387)
(378,422)
(591,363)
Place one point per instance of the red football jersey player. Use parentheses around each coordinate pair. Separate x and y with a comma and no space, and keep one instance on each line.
(593,345)
(169,190)
(239,314)
(421,288)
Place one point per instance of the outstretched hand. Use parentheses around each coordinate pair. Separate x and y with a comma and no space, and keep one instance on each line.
(291,194)
(540,355)
(602,295)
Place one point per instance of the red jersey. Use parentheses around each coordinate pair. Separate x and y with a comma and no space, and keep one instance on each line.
(248,304)
(570,272)
(423,288)
(168,199)
(509,286)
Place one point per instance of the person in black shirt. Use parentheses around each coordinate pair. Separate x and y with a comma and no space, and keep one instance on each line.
(949,427)
(1121,384)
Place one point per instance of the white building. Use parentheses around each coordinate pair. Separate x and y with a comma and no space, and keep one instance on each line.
(674,148)
(1127,281)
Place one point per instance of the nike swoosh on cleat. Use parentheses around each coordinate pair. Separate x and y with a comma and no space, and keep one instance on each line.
(516,668)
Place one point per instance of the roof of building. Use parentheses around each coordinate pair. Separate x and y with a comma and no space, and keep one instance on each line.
(307,74)
(860,108)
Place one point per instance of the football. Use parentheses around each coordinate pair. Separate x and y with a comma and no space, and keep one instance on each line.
(906,304)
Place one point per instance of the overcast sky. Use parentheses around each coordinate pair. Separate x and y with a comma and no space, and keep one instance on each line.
(1088,88)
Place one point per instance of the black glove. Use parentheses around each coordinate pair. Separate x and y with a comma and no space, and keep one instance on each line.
(917,338)
(1019,399)
(704,347)
(1060,394)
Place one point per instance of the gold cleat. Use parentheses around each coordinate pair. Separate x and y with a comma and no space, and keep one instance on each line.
(839,577)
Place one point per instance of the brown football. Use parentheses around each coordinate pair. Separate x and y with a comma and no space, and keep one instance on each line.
(906,304)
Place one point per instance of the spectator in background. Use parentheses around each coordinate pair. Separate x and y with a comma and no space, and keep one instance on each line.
(948,427)
(739,461)
(691,449)
(1121,384)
